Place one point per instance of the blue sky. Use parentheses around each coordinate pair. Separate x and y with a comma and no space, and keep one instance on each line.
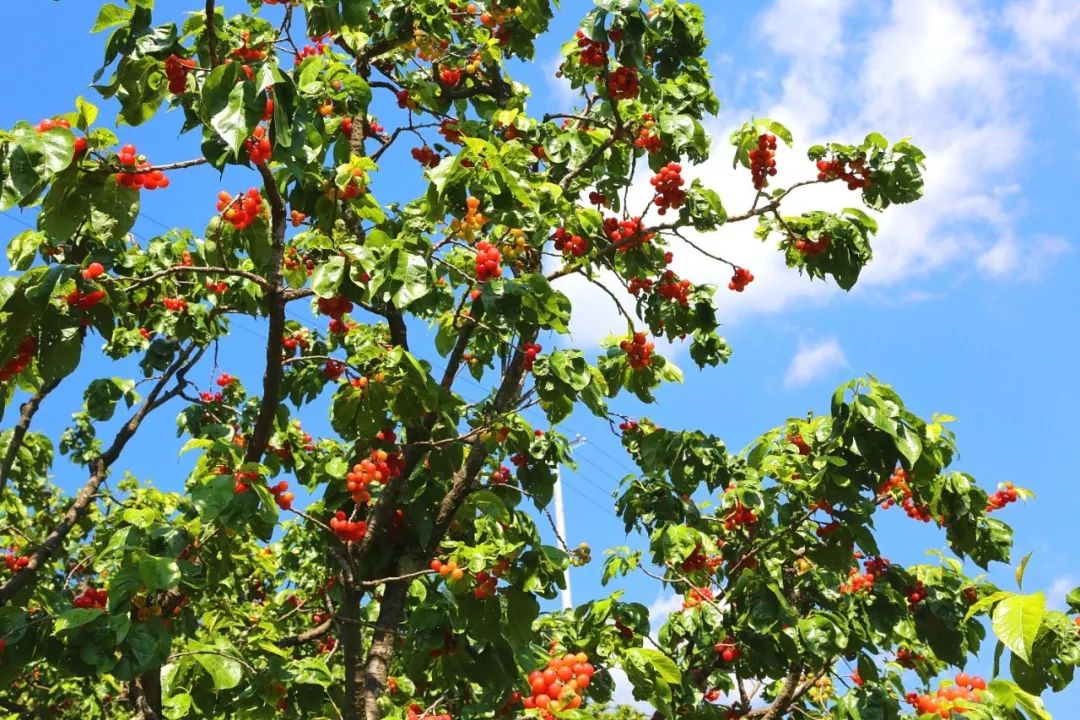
(969,307)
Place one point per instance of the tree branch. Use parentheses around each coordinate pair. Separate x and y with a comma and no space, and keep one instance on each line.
(276,301)
(211,33)
(784,698)
(26,414)
(308,635)
(200,270)
(99,470)
(381,650)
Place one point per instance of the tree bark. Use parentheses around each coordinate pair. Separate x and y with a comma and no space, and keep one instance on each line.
(26,414)
(377,667)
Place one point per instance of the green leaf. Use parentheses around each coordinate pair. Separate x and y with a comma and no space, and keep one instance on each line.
(1016,622)
(159,573)
(225,671)
(326,277)
(665,667)
(1020,571)
(985,602)
(110,16)
(211,499)
(22,249)
(76,617)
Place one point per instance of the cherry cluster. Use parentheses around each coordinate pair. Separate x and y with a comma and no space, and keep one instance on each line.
(898,482)
(740,516)
(210,397)
(246,51)
(639,350)
(672,288)
(174,304)
(472,222)
(282,496)
(531,351)
(740,279)
(14,562)
(486,582)
(242,210)
(908,658)
(426,156)
(242,479)
(416,712)
(853,172)
(628,426)
(858,582)
(626,234)
(488,258)
(763,160)
(593,52)
(1004,495)
(558,686)
(727,649)
(450,77)
(916,594)
(48,124)
(696,560)
(258,146)
(447,569)
(347,530)
(450,129)
(668,183)
(84,301)
(91,598)
(297,340)
(500,476)
(404,100)
(218,288)
(297,218)
(24,355)
(151,180)
(568,244)
(943,703)
(623,83)
(598,199)
(646,139)
(876,565)
(636,286)
(333,369)
(697,596)
(176,70)
(813,247)
(317,46)
(380,467)
(798,442)
(335,308)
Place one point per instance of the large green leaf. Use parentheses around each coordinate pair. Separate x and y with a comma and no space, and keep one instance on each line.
(76,617)
(1016,622)
(225,671)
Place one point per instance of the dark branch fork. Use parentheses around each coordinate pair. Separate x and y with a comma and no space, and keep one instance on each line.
(99,468)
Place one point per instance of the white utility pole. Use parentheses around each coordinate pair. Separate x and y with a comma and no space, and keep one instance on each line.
(560,523)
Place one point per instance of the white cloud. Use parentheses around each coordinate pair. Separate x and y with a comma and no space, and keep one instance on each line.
(814,360)
(623,694)
(661,607)
(564,95)
(933,70)
(1059,588)
(1019,260)
(1045,29)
